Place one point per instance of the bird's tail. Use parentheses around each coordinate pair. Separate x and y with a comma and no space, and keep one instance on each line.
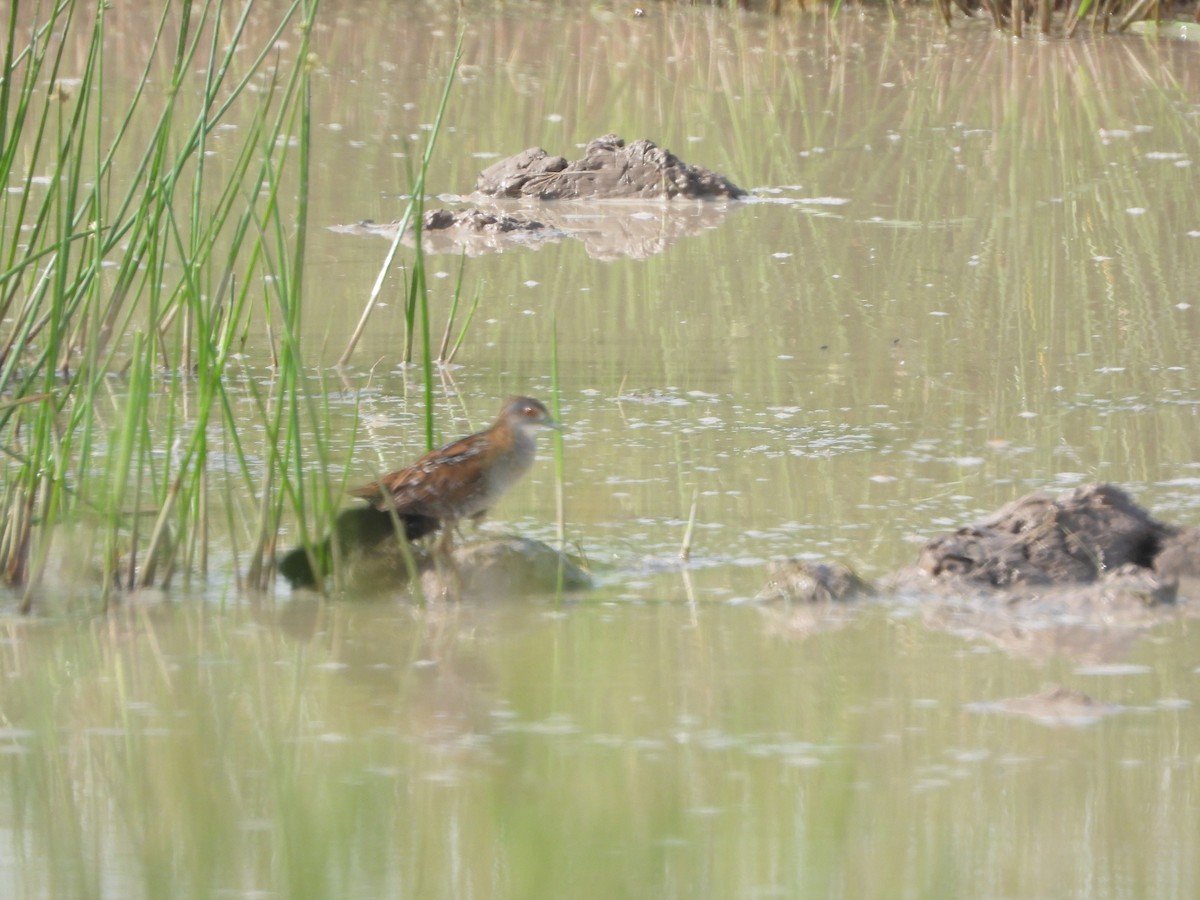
(357,530)
(300,568)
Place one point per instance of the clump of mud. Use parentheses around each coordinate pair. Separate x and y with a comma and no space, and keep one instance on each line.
(609,170)
(641,174)
(1080,574)
(1081,536)
(1092,546)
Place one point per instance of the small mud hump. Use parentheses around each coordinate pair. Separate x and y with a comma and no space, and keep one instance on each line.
(802,599)
(477,231)
(609,170)
(797,581)
(1180,556)
(477,221)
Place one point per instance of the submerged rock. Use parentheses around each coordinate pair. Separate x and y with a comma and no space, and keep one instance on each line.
(1179,556)
(374,562)
(802,598)
(363,537)
(472,231)
(633,230)
(503,567)
(1073,575)
(609,170)
(476,221)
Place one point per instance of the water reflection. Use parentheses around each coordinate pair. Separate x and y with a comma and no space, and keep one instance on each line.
(1054,705)
(1040,637)
(410,665)
(608,230)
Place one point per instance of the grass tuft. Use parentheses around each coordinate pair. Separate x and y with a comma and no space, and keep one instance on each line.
(128,273)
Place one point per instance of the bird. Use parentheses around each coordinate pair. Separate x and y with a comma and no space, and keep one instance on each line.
(461,480)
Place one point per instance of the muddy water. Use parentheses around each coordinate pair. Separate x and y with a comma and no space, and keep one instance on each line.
(968,269)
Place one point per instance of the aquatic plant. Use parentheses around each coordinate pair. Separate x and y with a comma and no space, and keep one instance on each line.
(130,271)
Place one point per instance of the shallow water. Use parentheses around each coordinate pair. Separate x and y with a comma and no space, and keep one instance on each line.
(968,270)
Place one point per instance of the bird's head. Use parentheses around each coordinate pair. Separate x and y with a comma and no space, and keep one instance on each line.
(526,413)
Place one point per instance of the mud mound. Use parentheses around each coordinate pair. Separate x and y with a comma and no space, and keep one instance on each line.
(1040,540)
(1082,574)
(609,170)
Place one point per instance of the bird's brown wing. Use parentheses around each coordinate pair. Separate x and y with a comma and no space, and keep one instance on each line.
(436,485)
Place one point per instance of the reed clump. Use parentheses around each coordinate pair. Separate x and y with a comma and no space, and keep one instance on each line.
(1020,17)
(131,269)
(133,272)
(1058,17)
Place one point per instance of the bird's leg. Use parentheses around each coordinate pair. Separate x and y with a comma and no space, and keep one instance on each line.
(477,519)
(443,561)
(444,545)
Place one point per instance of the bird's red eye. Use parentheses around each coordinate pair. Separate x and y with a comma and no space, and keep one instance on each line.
(532,412)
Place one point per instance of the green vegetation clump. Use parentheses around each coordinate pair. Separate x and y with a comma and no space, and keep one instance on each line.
(133,267)
(153,257)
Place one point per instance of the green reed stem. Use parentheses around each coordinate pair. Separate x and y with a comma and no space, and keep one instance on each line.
(462,333)
(559,465)
(411,218)
(454,301)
